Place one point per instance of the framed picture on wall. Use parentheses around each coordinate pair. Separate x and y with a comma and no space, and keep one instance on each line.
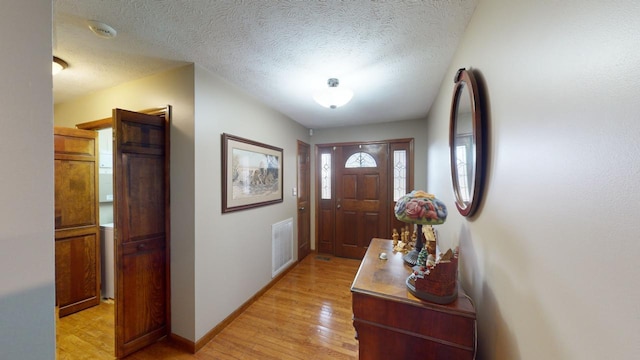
(251,174)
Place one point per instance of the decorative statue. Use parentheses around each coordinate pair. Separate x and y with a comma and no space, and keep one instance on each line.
(395,236)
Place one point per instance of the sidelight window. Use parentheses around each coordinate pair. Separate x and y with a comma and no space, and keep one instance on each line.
(399,174)
(325,176)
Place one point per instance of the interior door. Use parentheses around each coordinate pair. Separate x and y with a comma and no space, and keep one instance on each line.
(77,242)
(361,197)
(304,189)
(141,217)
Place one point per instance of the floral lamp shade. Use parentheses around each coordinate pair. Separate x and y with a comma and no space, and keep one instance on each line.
(434,277)
(420,207)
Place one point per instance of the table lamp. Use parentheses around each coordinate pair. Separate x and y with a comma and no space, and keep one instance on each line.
(420,208)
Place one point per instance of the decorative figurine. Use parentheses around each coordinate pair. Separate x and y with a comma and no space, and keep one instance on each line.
(395,236)
(401,247)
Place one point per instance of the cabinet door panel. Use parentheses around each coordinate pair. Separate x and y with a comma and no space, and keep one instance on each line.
(75,194)
(76,273)
(77,242)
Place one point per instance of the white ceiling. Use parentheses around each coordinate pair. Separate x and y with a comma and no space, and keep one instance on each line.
(392,54)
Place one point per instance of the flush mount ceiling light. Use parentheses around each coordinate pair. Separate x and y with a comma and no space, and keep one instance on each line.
(101,29)
(333,96)
(58,65)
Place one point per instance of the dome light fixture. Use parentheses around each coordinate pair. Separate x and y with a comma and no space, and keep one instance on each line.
(58,65)
(333,97)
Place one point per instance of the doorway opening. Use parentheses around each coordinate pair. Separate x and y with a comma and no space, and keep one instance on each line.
(133,200)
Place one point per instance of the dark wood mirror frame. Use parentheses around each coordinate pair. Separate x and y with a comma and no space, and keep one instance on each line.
(467,198)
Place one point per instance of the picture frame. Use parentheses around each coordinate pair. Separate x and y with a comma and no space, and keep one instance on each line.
(252,174)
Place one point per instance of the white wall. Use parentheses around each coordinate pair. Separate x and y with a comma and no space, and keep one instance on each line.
(551,258)
(27,325)
(174,87)
(233,250)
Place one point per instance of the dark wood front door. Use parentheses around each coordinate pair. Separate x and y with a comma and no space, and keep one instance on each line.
(356,188)
(141,216)
(304,189)
(361,197)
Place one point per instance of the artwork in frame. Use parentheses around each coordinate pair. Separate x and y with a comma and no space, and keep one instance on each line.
(251,174)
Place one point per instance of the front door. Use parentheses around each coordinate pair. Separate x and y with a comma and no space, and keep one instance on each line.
(141,216)
(357,185)
(304,188)
(361,197)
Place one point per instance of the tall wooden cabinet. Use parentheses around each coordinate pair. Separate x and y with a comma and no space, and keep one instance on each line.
(77,242)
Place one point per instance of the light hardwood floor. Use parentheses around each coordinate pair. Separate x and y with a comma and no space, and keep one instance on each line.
(306,315)
(88,334)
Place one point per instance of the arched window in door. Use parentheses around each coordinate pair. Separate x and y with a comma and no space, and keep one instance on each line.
(360,160)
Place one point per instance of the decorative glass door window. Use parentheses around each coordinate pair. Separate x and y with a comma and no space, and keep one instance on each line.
(325,176)
(360,160)
(364,160)
(399,174)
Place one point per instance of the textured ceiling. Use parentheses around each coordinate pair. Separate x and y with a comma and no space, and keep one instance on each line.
(392,54)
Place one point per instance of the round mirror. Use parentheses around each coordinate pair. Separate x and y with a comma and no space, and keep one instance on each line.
(465,143)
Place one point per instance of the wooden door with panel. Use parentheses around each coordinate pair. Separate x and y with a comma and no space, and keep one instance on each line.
(362,211)
(142,228)
(303,200)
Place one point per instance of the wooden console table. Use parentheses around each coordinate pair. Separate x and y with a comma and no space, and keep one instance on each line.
(391,323)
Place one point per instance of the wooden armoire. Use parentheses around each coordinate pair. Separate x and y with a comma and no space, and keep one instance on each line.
(77,240)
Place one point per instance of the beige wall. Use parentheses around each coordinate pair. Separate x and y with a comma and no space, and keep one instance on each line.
(233,250)
(27,298)
(551,258)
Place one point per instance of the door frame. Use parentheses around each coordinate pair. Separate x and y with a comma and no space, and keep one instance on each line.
(303,200)
(406,144)
(108,122)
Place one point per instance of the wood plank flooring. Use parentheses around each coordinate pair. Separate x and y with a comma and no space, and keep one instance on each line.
(88,334)
(306,315)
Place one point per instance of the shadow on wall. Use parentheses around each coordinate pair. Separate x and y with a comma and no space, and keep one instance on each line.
(496,317)
(32,333)
(487,141)
(495,334)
